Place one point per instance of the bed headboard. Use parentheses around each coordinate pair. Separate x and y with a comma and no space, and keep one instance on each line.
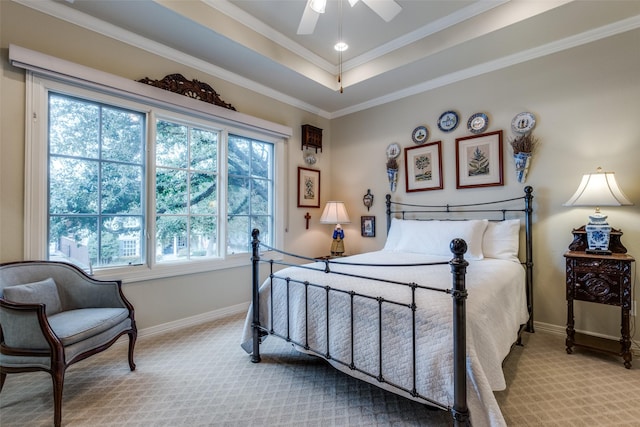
(497,210)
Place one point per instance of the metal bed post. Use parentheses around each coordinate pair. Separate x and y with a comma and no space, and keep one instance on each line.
(255,325)
(460,411)
(528,200)
(388,197)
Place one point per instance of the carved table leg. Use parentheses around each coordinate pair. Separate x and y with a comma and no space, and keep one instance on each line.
(625,342)
(570,331)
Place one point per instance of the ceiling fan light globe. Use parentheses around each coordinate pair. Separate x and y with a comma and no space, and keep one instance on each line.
(318,5)
(341,46)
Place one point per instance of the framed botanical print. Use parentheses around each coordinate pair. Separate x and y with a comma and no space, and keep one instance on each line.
(368,226)
(308,188)
(423,164)
(479,160)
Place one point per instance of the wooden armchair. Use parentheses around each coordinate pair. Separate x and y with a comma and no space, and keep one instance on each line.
(53,315)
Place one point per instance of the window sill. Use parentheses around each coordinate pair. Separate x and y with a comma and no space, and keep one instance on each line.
(139,273)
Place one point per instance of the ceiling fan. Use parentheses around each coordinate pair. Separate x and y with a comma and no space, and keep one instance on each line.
(386,9)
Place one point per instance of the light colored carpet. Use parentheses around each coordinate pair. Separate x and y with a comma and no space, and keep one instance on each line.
(200,376)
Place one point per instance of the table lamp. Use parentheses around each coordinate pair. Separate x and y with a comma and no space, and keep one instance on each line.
(596,190)
(336,213)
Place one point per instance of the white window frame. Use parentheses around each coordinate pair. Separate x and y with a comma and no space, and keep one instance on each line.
(68,78)
(221,173)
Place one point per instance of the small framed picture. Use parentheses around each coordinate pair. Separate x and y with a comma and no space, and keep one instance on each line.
(308,188)
(368,226)
(479,160)
(424,167)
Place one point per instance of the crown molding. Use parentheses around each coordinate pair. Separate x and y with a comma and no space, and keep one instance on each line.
(85,21)
(261,28)
(586,37)
(109,30)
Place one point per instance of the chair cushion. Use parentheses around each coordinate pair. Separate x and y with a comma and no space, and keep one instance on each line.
(43,292)
(73,326)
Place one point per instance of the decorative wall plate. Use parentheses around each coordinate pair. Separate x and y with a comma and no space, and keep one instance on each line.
(393,150)
(523,122)
(478,123)
(420,134)
(448,121)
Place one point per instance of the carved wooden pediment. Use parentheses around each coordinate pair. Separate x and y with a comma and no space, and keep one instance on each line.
(177,83)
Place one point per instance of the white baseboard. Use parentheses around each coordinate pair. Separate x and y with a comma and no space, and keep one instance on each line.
(194,320)
(561,330)
(549,328)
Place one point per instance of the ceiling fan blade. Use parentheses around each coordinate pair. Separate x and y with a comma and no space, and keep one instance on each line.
(387,9)
(308,21)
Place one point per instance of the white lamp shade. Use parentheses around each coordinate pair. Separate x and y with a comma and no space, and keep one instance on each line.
(598,189)
(335,213)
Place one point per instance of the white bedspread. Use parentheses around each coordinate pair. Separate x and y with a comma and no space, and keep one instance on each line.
(496,306)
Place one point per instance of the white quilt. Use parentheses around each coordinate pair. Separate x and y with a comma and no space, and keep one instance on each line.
(496,306)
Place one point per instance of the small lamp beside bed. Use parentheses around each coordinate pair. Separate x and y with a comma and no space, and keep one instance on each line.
(595,190)
(336,213)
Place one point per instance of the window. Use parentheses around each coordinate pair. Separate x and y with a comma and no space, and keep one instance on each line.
(186,182)
(141,190)
(95,193)
(249,192)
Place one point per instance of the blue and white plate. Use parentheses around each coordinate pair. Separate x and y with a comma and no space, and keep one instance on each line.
(448,121)
(478,123)
(523,122)
(420,134)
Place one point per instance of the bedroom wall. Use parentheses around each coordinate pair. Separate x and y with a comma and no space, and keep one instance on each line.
(158,301)
(586,101)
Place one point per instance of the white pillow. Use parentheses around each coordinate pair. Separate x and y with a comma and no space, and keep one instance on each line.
(502,240)
(394,234)
(432,237)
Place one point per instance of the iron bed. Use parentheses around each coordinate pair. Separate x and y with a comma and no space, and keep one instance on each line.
(297,330)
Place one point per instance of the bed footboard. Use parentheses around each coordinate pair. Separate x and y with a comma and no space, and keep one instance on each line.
(460,410)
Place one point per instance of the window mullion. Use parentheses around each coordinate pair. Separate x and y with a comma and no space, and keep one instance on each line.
(189,173)
(100,159)
(223,175)
(150,229)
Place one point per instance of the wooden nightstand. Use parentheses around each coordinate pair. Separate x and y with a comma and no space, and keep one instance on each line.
(602,279)
(329,257)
